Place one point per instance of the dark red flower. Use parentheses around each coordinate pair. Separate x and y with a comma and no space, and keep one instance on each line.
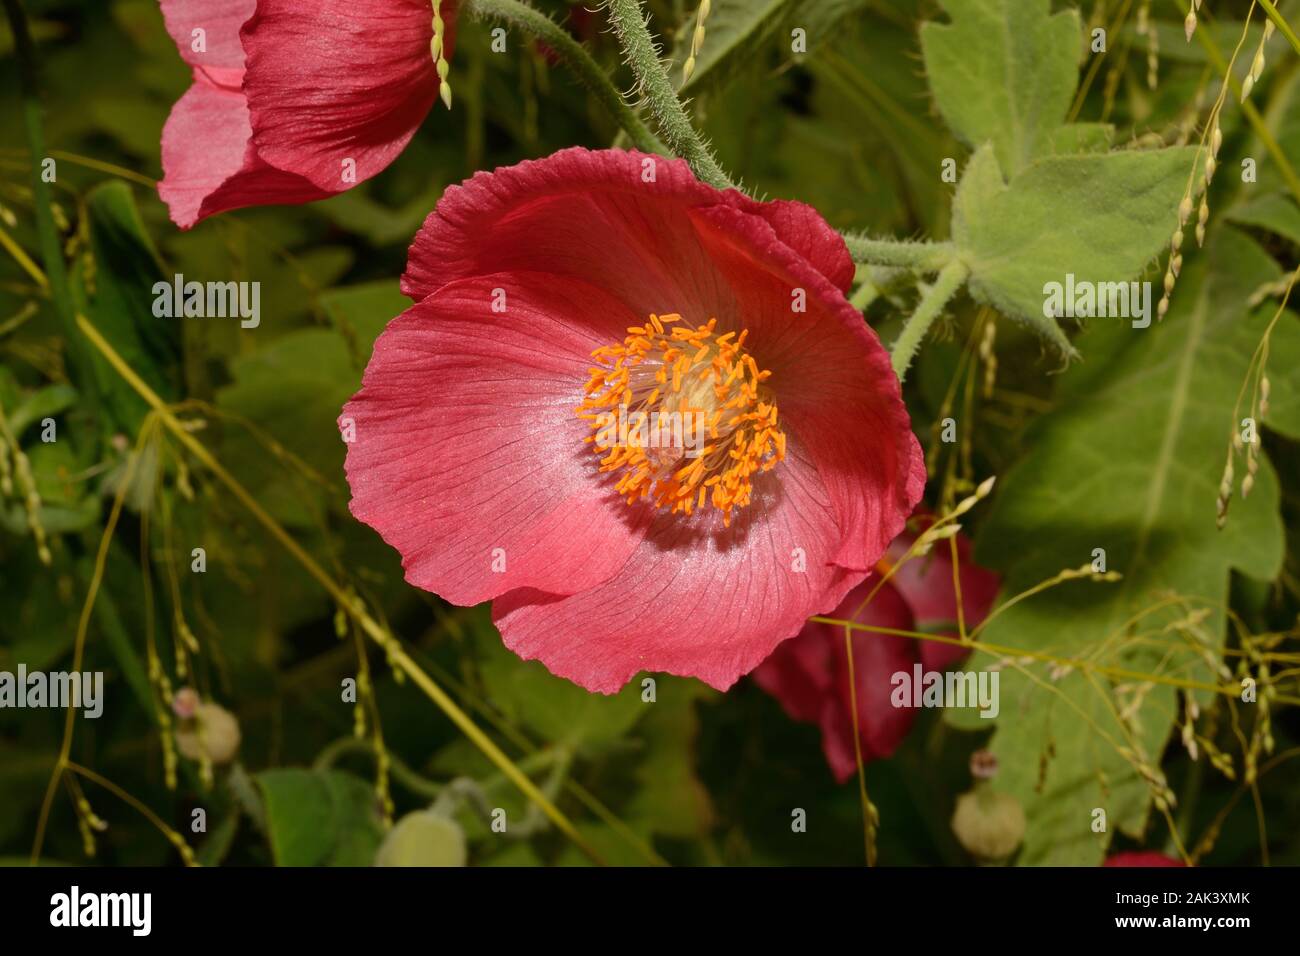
(809,674)
(1142,858)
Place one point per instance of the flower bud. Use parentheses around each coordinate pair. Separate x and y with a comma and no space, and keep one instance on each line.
(989,824)
(213,732)
(185,703)
(423,838)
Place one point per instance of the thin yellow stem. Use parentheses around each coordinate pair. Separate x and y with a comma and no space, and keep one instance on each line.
(172,836)
(349,603)
(83,626)
(20,256)
(1002,650)
(867,828)
(1206,38)
(98,164)
(1282,26)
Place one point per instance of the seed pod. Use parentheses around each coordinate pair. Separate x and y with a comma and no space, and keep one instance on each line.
(423,838)
(212,735)
(989,824)
(437,47)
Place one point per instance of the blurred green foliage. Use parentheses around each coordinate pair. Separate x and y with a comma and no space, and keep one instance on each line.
(695,777)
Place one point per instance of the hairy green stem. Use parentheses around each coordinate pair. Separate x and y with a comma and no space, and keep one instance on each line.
(949,280)
(652,79)
(538,24)
(917,256)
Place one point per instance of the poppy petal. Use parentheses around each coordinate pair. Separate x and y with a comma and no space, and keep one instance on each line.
(833,381)
(694,598)
(337,88)
(613,217)
(210,166)
(206,33)
(468,457)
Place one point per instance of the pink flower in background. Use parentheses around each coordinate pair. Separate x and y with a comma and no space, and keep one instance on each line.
(548,294)
(809,674)
(293,101)
(1146,858)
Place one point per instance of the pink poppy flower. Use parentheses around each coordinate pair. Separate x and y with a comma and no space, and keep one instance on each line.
(809,674)
(293,101)
(486,443)
(1145,858)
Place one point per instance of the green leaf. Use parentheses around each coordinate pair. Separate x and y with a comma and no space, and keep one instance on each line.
(737,31)
(734,32)
(1275,213)
(559,711)
(1129,462)
(1082,138)
(360,313)
(218,843)
(1003,71)
(1101,217)
(670,799)
(294,388)
(821,18)
(358,213)
(320,818)
(114,288)
(43,403)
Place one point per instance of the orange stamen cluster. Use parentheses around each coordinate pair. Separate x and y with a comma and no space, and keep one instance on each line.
(723,422)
